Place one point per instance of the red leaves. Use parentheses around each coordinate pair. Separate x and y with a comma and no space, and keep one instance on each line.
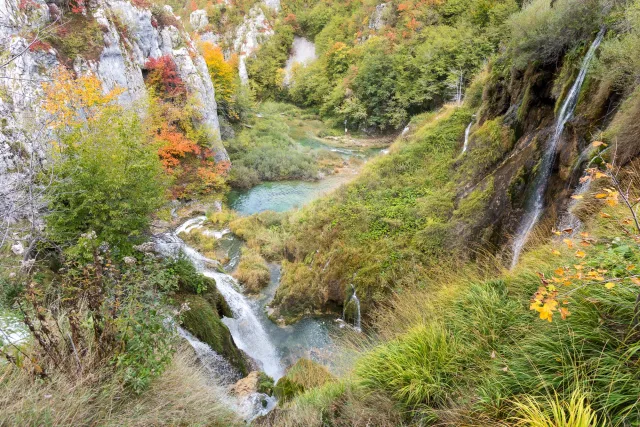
(163,77)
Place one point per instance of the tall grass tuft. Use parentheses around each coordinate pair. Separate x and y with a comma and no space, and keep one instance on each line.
(557,412)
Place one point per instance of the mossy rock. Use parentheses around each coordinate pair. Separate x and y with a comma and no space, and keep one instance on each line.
(304,375)
(265,384)
(203,321)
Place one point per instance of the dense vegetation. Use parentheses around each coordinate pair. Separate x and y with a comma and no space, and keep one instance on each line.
(422,234)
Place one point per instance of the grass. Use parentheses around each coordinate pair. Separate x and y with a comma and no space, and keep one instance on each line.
(468,351)
(385,228)
(253,272)
(180,396)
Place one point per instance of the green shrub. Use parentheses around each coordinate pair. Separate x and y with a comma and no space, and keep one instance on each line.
(108,181)
(543,33)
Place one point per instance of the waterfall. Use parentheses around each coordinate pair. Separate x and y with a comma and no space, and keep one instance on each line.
(216,365)
(250,406)
(247,331)
(535,204)
(356,301)
(467,132)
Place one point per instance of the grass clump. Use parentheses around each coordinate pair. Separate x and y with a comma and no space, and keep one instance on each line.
(418,370)
(253,272)
(303,375)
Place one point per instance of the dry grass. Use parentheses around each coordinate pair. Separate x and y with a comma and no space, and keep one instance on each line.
(181,396)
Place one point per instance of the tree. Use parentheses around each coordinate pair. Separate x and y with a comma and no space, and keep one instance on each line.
(108,177)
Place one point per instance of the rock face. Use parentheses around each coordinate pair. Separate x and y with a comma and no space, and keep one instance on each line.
(249,36)
(377,21)
(131,36)
(247,385)
(244,39)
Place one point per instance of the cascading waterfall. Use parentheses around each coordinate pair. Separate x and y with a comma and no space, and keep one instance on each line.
(536,202)
(467,132)
(249,407)
(246,330)
(356,302)
(216,365)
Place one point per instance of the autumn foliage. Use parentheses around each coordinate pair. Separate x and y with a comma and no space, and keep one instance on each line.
(163,77)
(586,269)
(173,146)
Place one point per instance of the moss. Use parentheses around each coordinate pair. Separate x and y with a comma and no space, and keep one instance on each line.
(475,203)
(203,321)
(304,375)
(265,384)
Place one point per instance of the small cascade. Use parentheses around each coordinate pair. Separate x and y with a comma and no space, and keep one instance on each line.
(467,132)
(215,365)
(356,301)
(247,331)
(535,204)
(251,406)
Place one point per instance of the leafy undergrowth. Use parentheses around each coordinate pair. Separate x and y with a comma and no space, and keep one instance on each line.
(472,351)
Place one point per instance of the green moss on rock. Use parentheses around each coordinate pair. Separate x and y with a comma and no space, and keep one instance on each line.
(203,320)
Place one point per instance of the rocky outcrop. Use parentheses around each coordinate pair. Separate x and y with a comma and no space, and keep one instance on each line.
(131,36)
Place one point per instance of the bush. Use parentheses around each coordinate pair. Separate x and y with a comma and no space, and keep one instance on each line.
(542,33)
(108,181)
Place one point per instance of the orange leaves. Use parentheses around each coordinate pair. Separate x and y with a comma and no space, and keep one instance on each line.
(173,146)
(223,73)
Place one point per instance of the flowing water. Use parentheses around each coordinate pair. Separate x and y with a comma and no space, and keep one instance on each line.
(535,205)
(303,52)
(467,132)
(357,319)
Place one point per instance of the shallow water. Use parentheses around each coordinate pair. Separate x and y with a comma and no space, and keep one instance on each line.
(281,196)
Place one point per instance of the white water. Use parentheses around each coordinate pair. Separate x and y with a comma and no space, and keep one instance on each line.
(356,322)
(216,365)
(246,330)
(536,202)
(248,407)
(467,132)
(303,52)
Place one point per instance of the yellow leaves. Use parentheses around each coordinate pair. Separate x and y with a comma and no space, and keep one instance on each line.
(630,267)
(73,100)
(564,313)
(555,252)
(580,254)
(599,175)
(609,285)
(598,144)
(635,281)
(604,215)
(568,242)
(559,271)
(577,197)
(601,195)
